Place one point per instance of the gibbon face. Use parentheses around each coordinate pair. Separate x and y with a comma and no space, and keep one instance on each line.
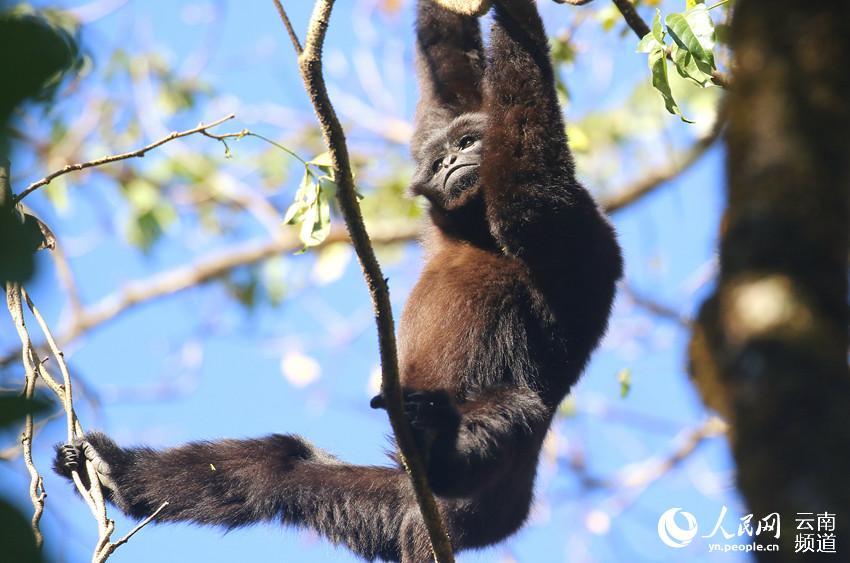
(447,172)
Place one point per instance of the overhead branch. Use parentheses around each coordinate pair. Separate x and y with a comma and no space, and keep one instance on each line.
(641,29)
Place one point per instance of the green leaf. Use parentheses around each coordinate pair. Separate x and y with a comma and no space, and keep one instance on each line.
(317,221)
(625,379)
(295,213)
(661,82)
(328,186)
(648,43)
(657,28)
(687,67)
(693,31)
(323,160)
(304,198)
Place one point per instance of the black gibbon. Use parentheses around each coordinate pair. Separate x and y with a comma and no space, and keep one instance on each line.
(515,295)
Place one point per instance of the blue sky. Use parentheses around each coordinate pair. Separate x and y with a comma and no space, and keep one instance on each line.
(219,366)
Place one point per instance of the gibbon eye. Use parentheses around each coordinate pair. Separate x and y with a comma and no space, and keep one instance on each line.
(437,164)
(466,142)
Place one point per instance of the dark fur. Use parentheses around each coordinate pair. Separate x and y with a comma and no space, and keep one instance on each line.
(515,295)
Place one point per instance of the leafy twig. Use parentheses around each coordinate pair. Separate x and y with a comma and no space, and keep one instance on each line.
(116,157)
(247,133)
(641,28)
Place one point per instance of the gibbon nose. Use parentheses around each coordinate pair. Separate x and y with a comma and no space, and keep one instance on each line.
(449,160)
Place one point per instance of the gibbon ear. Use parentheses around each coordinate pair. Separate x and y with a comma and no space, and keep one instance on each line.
(466,7)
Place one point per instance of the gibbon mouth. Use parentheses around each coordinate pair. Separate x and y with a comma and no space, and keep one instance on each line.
(455,169)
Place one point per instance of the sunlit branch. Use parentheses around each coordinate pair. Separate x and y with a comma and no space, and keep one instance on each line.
(116,157)
(310,65)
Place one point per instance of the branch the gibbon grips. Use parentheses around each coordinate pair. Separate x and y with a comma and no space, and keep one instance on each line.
(466,7)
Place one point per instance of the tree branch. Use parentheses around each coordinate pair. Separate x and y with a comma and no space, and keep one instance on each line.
(202,271)
(93,495)
(310,64)
(656,308)
(643,186)
(36,488)
(245,254)
(116,157)
(637,478)
(641,28)
(293,37)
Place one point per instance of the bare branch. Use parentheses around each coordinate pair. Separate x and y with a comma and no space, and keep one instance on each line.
(110,547)
(93,495)
(116,157)
(293,37)
(310,64)
(204,270)
(640,188)
(636,479)
(656,308)
(36,488)
(67,403)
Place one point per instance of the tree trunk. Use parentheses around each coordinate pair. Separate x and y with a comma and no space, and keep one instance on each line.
(770,349)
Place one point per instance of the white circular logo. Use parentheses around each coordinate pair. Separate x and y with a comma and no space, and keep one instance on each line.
(671,533)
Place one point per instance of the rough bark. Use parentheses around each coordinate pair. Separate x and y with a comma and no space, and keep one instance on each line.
(770,348)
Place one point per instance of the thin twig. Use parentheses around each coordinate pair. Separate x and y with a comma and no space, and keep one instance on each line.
(63,367)
(656,308)
(247,133)
(293,37)
(635,480)
(310,64)
(93,495)
(105,549)
(141,525)
(116,157)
